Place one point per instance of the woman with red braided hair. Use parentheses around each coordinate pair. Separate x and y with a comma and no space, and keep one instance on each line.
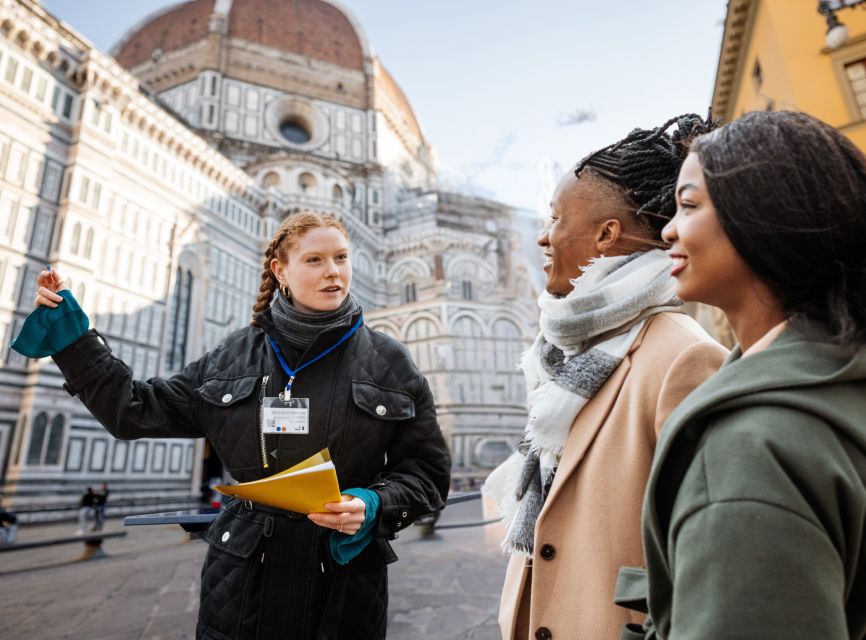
(271,573)
(614,357)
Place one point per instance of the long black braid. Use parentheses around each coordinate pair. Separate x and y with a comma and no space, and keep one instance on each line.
(645,164)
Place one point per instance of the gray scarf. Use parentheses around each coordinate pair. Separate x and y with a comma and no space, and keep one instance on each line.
(301,329)
(584,337)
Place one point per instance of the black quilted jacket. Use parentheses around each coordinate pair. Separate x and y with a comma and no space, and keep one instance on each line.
(269,573)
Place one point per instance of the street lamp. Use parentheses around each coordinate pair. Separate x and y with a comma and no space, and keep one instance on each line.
(837,33)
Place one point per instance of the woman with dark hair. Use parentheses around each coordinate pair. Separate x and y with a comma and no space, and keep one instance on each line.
(614,356)
(271,573)
(755,512)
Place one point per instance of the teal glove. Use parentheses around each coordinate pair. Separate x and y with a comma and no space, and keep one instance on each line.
(345,547)
(47,331)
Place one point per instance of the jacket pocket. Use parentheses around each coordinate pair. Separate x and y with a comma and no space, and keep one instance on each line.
(388,405)
(234,535)
(632,589)
(230,412)
(227,392)
(231,576)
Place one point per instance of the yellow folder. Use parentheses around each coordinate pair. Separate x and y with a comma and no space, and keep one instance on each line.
(304,488)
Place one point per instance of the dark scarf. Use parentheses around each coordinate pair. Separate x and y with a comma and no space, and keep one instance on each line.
(300,329)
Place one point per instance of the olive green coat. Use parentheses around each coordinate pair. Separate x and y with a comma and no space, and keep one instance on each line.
(754,521)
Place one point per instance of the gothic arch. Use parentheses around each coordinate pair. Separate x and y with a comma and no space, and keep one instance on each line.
(362,262)
(408,269)
(463,315)
(387,327)
(500,320)
(469,268)
(437,323)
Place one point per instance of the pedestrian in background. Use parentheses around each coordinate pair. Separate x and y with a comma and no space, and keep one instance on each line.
(8,527)
(271,573)
(86,511)
(99,507)
(615,355)
(755,514)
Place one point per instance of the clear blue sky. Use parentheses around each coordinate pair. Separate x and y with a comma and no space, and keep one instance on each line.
(490,80)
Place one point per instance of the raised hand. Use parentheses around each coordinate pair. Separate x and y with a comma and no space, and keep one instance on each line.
(48,284)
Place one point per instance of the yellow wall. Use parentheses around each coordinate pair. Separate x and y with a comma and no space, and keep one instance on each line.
(799,72)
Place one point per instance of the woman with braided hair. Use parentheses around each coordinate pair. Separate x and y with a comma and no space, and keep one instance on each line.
(271,573)
(614,357)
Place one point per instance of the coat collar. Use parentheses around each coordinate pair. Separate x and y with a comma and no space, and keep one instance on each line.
(292,354)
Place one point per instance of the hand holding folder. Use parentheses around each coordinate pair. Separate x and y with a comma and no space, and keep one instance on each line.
(305,488)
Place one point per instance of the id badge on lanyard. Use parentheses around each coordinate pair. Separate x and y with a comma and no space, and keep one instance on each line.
(291,417)
(285,415)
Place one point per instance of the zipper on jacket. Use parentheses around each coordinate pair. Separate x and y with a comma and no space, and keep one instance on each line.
(261,420)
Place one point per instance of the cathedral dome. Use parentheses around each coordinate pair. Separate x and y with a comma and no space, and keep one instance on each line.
(274,74)
(314,29)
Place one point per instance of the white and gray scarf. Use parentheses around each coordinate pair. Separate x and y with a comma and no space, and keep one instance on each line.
(584,337)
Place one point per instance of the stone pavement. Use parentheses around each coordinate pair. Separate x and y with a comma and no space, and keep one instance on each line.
(444,587)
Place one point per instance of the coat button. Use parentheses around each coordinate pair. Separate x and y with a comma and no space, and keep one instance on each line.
(227,398)
(399,524)
(405,514)
(543,633)
(226,536)
(381,410)
(548,552)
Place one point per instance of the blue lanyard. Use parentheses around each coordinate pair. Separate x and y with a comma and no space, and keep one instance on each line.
(287,394)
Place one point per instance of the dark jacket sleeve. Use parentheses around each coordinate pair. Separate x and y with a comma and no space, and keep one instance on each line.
(417,474)
(128,408)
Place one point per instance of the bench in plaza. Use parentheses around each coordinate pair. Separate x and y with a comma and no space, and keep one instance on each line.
(92,544)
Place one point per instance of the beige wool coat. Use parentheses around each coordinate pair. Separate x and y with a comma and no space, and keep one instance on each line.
(590,523)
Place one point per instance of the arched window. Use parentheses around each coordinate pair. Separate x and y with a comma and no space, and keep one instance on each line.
(469,350)
(409,293)
(307,181)
(271,179)
(179,320)
(419,338)
(37,439)
(508,348)
(509,345)
(88,243)
(55,440)
(466,291)
(76,238)
(337,193)
(361,263)
(115,261)
(386,329)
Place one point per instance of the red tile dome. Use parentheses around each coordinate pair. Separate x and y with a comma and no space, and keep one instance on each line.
(312,28)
